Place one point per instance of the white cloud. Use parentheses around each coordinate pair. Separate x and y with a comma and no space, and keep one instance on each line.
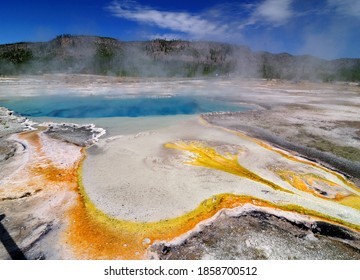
(276,12)
(346,7)
(223,22)
(253,23)
(190,24)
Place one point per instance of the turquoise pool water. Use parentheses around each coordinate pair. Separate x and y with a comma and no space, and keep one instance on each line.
(101,107)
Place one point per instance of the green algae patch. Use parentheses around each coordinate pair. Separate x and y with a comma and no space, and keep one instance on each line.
(347,152)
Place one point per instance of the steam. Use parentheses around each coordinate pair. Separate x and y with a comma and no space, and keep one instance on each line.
(161,58)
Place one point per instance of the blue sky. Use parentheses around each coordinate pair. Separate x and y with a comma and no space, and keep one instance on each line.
(324,28)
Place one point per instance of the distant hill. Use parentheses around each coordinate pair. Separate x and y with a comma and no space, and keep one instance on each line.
(175,58)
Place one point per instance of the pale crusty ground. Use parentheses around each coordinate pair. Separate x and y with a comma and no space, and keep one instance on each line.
(34,210)
(135,178)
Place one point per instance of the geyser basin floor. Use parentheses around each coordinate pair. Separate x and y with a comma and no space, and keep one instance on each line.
(178,165)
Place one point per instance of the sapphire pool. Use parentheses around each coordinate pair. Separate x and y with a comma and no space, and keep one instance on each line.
(101,107)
